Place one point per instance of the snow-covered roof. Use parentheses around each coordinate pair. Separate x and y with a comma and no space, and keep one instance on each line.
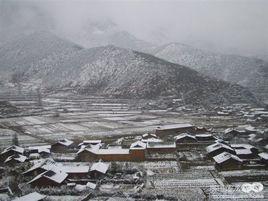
(243,151)
(14,148)
(89,142)
(149,135)
(138,145)
(75,169)
(40,149)
(108,151)
(152,140)
(224,157)
(31,197)
(184,135)
(242,146)
(100,167)
(263,155)
(56,176)
(65,142)
(228,130)
(175,126)
(19,158)
(217,146)
(204,135)
(91,185)
(161,145)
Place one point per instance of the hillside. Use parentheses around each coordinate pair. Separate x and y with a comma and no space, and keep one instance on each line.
(49,62)
(245,71)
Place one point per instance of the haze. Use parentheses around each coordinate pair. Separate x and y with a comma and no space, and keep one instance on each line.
(232,27)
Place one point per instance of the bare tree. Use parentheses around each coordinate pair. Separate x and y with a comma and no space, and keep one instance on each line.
(39,97)
(16,79)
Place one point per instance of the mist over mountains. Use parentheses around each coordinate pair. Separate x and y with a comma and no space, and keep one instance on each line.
(52,48)
(52,63)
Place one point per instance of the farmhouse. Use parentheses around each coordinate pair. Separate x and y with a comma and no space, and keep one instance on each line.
(218,148)
(99,169)
(41,151)
(76,171)
(150,138)
(15,159)
(137,151)
(185,138)
(205,137)
(227,161)
(40,167)
(175,129)
(160,147)
(253,149)
(244,153)
(9,151)
(86,143)
(62,146)
(49,179)
(31,197)
(109,154)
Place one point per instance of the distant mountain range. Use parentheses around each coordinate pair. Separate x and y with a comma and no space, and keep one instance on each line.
(245,71)
(50,62)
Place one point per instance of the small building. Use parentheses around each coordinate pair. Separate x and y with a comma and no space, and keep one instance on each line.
(15,159)
(137,151)
(244,153)
(109,154)
(49,179)
(31,197)
(175,129)
(42,151)
(99,169)
(9,151)
(252,148)
(86,143)
(264,157)
(150,138)
(73,172)
(62,146)
(218,148)
(205,137)
(40,167)
(227,161)
(185,138)
(161,147)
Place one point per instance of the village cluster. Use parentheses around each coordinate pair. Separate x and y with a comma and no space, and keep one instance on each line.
(88,168)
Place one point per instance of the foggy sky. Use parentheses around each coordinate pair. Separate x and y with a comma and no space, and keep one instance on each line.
(230,26)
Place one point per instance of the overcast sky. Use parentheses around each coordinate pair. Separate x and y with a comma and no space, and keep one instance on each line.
(231,26)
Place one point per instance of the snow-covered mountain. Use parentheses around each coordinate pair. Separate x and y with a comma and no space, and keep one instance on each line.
(95,33)
(53,63)
(29,51)
(245,71)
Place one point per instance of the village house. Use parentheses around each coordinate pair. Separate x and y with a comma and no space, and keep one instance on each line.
(9,151)
(227,161)
(137,151)
(206,137)
(109,154)
(31,197)
(39,151)
(15,159)
(73,172)
(62,146)
(49,179)
(175,129)
(86,143)
(218,148)
(160,147)
(99,169)
(150,138)
(185,138)
(244,153)
(40,167)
